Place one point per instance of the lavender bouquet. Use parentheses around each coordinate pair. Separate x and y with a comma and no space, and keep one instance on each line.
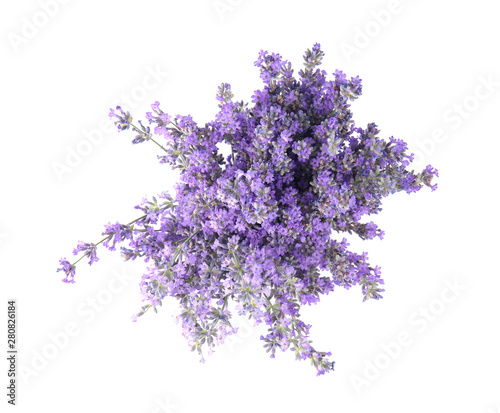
(256,227)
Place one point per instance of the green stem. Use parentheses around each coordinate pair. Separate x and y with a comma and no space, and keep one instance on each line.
(272,307)
(267,299)
(178,250)
(108,237)
(136,129)
(175,127)
(158,144)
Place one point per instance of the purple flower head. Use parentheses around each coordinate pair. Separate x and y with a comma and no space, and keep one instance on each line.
(69,270)
(116,233)
(265,190)
(144,133)
(88,250)
(313,57)
(224,94)
(123,119)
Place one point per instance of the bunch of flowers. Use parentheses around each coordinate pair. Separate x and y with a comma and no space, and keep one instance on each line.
(256,227)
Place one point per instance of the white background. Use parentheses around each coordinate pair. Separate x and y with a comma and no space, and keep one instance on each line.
(423,65)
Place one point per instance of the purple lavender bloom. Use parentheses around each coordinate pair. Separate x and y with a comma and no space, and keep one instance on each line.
(262,190)
(123,119)
(89,250)
(69,270)
(116,233)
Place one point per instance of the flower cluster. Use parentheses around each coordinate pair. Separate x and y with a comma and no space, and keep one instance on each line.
(256,227)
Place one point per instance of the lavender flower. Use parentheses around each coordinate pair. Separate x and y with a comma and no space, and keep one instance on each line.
(256,226)
(88,249)
(69,270)
(123,119)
